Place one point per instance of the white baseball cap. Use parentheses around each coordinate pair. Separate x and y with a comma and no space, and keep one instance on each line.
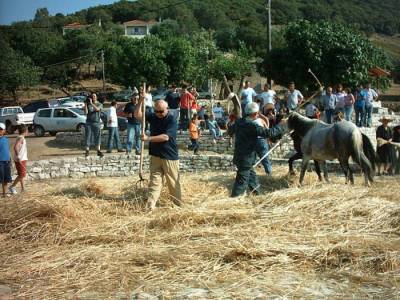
(252,108)
(2,126)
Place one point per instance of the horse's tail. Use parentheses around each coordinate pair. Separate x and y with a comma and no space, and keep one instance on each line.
(361,157)
(369,150)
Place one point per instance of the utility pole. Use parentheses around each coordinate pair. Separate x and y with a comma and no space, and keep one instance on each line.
(269,34)
(269,26)
(104,77)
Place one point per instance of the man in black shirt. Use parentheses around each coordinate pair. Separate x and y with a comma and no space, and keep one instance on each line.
(163,150)
(133,130)
(173,98)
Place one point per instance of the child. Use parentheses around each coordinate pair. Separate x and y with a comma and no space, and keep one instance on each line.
(20,158)
(214,129)
(194,135)
(5,170)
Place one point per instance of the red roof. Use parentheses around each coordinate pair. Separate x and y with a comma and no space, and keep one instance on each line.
(379,72)
(140,23)
(74,25)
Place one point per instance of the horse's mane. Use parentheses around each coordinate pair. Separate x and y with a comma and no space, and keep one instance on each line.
(300,124)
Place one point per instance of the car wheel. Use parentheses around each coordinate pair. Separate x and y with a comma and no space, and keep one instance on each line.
(39,130)
(10,129)
(80,128)
(53,133)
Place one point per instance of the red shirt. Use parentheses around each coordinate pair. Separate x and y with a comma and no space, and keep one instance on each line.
(185,100)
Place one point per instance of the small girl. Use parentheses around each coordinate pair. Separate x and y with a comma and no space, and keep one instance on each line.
(20,158)
(5,170)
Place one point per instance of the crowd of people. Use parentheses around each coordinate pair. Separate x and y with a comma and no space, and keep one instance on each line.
(255,130)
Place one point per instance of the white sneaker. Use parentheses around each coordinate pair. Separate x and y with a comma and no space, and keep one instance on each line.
(12,190)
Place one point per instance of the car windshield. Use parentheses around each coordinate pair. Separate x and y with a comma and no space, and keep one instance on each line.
(78,111)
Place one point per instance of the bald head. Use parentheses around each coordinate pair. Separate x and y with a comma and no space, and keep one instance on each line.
(161,108)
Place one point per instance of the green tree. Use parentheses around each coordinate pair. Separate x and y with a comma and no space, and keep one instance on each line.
(41,14)
(180,58)
(334,52)
(133,61)
(16,70)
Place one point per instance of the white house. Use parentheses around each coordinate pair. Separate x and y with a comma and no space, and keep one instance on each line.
(138,28)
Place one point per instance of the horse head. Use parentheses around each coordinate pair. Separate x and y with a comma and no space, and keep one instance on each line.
(299,123)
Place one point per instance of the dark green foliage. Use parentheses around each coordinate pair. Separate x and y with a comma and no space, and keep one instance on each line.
(335,53)
(16,70)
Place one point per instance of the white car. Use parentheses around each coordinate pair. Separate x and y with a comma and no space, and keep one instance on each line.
(12,116)
(58,119)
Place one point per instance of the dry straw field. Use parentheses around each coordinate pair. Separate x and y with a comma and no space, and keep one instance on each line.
(90,240)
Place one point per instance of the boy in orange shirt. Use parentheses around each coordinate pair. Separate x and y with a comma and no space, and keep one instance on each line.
(194,134)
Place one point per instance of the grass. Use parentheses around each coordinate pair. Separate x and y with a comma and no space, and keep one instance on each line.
(92,240)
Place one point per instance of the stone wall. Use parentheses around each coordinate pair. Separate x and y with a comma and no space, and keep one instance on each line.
(117,166)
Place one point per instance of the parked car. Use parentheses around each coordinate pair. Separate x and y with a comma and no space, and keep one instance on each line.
(34,106)
(58,119)
(124,95)
(159,94)
(82,93)
(204,94)
(122,121)
(12,116)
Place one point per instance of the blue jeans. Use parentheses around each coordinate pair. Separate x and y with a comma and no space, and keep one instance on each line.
(133,133)
(216,133)
(113,135)
(93,129)
(261,149)
(348,111)
(368,116)
(328,115)
(360,115)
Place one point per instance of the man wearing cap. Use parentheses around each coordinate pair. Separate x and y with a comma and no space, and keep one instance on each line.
(385,151)
(247,132)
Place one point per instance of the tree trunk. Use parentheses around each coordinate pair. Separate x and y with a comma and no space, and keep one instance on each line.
(15,96)
(89,70)
(240,85)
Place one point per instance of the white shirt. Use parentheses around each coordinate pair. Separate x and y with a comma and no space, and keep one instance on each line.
(148,99)
(218,112)
(267,97)
(112,116)
(340,97)
(293,98)
(23,152)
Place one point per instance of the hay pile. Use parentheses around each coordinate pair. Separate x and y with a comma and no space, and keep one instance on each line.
(91,240)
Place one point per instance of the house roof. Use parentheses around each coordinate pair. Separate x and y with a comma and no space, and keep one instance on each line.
(379,72)
(74,25)
(140,23)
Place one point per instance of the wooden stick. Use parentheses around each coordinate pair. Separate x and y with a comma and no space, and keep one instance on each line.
(143,133)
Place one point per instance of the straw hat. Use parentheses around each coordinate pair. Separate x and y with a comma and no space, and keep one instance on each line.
(385,118)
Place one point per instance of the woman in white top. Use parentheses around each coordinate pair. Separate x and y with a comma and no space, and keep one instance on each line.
(20,158)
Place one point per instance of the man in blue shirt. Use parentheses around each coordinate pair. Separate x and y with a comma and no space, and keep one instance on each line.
(248,95)
(370,96)
(329,101)
(163,150)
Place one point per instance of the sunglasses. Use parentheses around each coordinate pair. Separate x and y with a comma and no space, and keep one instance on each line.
(159,111)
